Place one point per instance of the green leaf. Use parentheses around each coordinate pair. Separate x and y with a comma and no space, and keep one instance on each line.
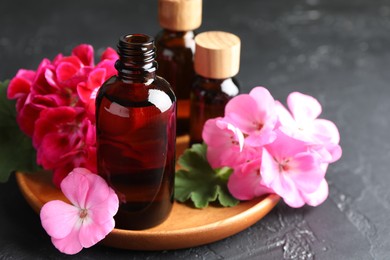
(196,180)
(16,150)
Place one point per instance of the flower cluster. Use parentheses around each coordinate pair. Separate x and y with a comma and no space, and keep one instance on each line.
(272,149)
(56,107)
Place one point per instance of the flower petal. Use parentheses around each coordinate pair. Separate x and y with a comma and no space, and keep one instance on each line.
(269,168)
(253,113)
(65,70)
(246,182)
(76,187)
(92,233)
(103,212)
(258,140)
(335,151)
(325,131)
(263,98)
(58,218)
(305,170)
(109,66)
(110,54)
(224,142)
(83,91)
(20,85)
(85,53)
(281,183)
(70,244)
(240,112)
(304,108)
(285,146)
(284,116)
(98,191)
(317,197)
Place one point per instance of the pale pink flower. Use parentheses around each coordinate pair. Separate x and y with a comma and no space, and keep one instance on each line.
(302,123)
(254,114)
(293,172)
(90,217)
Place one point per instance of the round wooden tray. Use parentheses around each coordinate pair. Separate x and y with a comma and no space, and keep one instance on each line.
(185,227)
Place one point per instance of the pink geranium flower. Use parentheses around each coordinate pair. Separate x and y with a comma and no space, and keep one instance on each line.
(89,217)
(273,150)
(224,142)
(254,114)
(293,172)
(302,123)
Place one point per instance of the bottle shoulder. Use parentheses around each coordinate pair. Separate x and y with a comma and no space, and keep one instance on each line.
(117,88)
(171,39)
(229,86)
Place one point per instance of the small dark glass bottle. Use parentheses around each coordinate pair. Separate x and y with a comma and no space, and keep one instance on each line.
(209,97)
(136,131)
(175,49)
(217,59)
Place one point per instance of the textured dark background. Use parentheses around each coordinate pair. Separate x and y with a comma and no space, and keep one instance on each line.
(335,50)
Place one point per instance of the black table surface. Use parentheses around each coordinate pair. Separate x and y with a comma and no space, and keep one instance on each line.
(337,51)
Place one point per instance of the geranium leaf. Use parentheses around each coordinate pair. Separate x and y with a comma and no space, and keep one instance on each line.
(196,180)
(16,150)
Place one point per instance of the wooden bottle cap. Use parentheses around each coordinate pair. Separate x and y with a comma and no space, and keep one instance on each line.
(217,55)
(180,15)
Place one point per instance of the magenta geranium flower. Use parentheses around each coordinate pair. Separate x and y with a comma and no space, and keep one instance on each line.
(64,139)
(89,217)
(56,107)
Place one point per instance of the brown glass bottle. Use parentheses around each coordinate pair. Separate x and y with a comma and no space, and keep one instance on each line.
(217,59)
(136,130)
(175,49)
(208,100)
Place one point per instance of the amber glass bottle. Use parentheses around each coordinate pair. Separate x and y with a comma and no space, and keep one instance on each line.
(175,49)
(217,61)
(136,130)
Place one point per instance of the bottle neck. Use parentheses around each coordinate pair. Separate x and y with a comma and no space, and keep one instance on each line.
(230,86)
(179,34)
(136,61)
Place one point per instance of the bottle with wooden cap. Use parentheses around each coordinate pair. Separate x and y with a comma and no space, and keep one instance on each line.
(175,49)
(217,61)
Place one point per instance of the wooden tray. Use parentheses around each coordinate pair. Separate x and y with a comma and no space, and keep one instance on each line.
(185,227)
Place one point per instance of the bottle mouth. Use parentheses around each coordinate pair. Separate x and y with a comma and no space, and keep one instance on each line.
(137,39)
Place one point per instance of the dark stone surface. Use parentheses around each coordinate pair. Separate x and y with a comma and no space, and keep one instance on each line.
(337,51)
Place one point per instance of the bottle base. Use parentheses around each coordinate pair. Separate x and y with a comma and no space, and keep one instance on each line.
(130,219)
